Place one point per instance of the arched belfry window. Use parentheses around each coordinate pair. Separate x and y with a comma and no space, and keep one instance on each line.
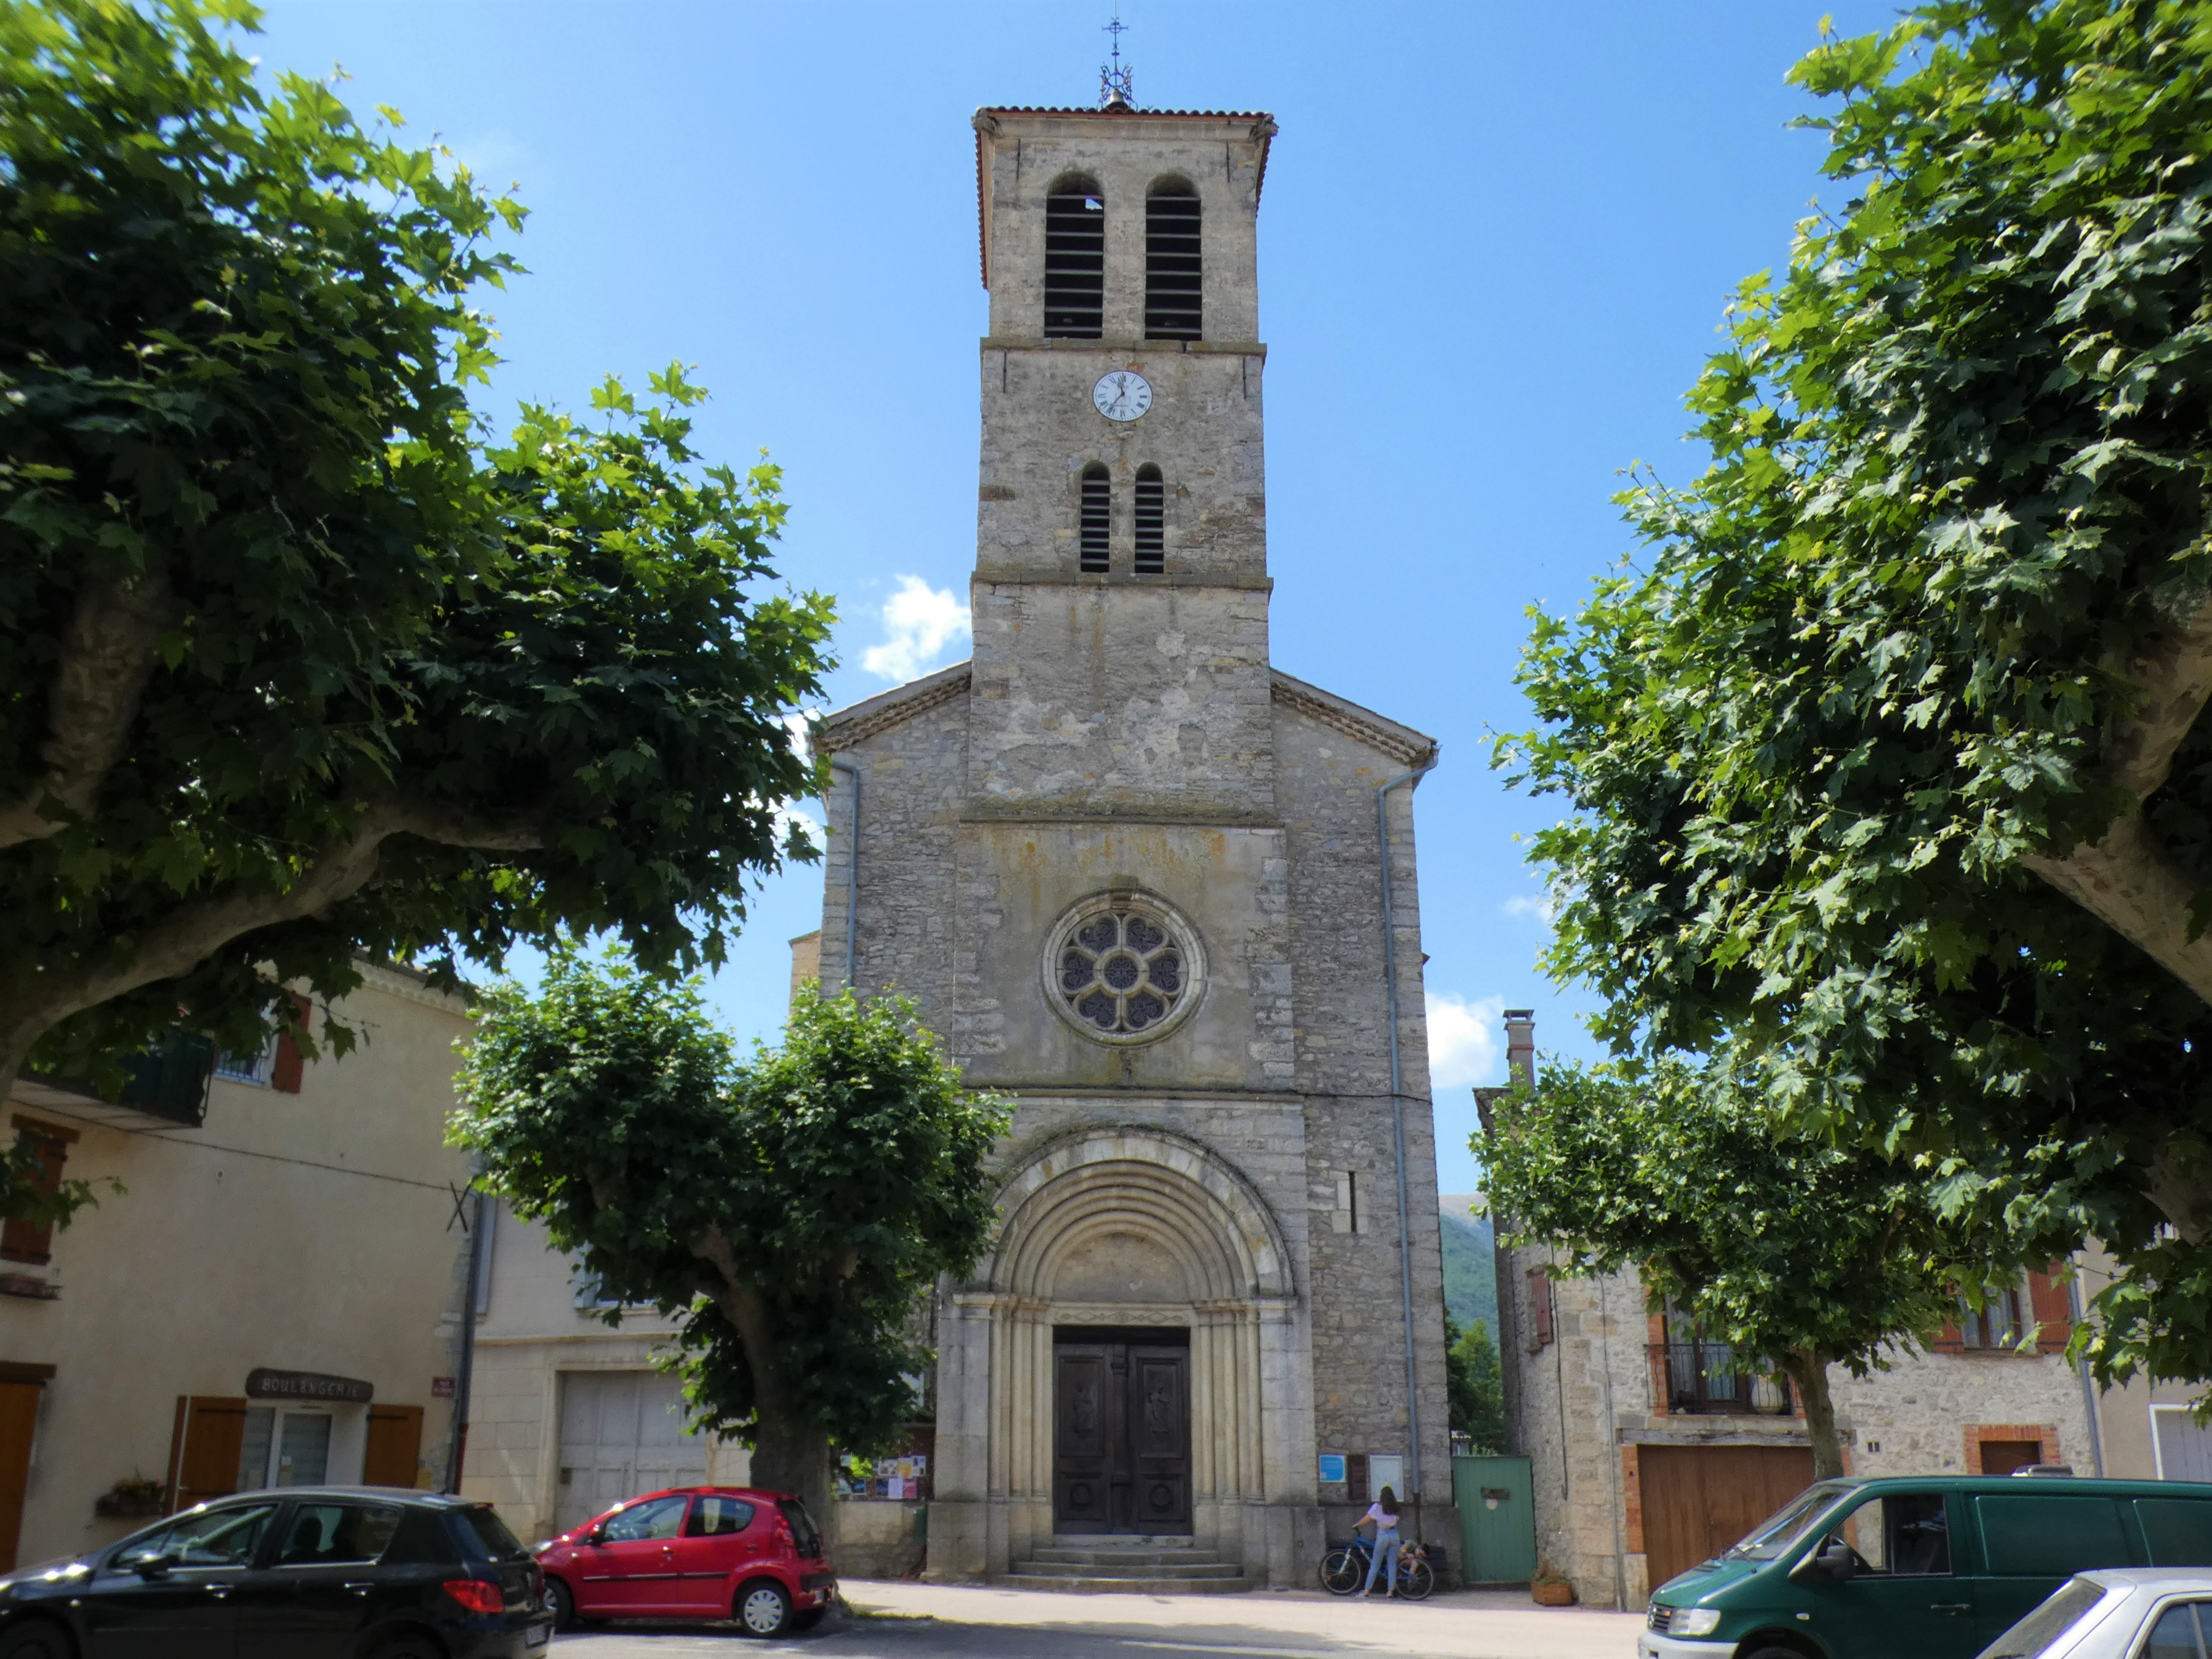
(1174,273)
(1151,521)
(1075,260)
(1098,521)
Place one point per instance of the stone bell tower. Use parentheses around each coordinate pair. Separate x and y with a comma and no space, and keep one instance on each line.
(1135,877)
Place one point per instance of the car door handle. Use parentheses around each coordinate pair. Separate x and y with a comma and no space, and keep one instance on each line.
(1950,1606)
(360,1589)
(218,1591)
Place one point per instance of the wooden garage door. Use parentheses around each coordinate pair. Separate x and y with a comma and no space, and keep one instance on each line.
(621,1433)
(1697,1500)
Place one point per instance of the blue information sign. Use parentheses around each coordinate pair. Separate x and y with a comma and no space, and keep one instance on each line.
(1332,1466)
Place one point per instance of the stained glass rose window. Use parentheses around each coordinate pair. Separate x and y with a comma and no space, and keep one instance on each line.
(1123,966)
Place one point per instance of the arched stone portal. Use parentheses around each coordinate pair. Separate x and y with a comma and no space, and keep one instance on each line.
(1122,1230)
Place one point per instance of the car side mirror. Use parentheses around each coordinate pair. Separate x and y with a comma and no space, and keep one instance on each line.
(597,1535)
(1833,1563)
(153,1566)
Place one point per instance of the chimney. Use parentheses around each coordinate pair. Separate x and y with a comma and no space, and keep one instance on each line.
(1520,1047)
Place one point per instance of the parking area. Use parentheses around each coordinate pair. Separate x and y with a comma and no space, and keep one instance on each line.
(921,1621)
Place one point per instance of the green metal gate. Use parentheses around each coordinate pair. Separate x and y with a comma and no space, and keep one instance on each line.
(1497,1520)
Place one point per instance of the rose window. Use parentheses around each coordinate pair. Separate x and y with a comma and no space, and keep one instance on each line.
(1122,972)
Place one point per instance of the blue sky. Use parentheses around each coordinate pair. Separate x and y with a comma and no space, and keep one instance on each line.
(1495,244)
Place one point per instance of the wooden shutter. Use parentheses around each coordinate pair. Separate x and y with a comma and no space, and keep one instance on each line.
(2051,1309)
(204,1443)
(1539,1308)
(32,1241)
(19,1421)
(290,1064)
(395,1446)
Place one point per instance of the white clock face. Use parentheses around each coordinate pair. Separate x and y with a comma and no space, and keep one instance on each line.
(1122,395)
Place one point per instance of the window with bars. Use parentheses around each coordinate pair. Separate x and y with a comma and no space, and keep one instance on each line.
(1097,519)
(1152,522)
(1074,261)
(1173,272)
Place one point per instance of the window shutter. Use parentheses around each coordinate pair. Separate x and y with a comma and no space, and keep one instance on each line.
(1540,1306)
(32,1241)
(395,1446)
(2051,1309)
(204,1447)
(284,1076)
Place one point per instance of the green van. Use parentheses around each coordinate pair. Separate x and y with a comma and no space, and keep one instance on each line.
(1930,1568)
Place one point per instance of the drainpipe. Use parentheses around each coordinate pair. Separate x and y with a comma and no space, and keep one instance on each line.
(852,879)
(468,1365)
(2088,1386)
(1398,1131)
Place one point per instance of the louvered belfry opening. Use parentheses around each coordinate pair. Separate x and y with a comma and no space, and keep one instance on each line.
(1074,261)
(1174,274)
(1152,522)
(1098,517)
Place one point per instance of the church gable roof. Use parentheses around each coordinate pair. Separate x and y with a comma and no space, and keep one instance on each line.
(1402,744)
(893,707)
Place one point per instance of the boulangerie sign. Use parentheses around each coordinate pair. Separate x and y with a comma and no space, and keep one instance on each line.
(311,1387)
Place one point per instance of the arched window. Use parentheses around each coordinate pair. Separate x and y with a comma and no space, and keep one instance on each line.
(1075,260)
(1152,522)
(1174,273)
(1098,517)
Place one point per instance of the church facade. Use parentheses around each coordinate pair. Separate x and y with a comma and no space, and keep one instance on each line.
(1163,896)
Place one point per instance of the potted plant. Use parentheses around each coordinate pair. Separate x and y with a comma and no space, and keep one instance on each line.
(133,1497)
(1552,1589)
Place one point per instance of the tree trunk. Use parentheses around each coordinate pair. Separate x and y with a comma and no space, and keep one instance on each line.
(789,1454)
(794,1457)
(1809,1372)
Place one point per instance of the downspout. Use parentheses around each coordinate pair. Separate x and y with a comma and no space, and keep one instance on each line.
(463,1383)
(852,879)
(1398,1132)
(2089,1387)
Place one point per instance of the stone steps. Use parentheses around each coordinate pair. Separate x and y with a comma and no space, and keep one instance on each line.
(1106,1563)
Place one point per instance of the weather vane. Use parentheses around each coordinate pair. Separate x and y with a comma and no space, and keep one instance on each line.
(1116,84)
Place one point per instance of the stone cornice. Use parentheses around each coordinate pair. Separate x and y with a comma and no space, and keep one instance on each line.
(1402,744)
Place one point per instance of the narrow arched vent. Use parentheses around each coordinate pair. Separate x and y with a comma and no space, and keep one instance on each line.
(1152,522)
(1097,518)
(1174,271)
(1074,261)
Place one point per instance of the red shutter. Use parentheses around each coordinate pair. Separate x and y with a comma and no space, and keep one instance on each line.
(2053,1309)
(284,1075)
(32,1241)
(1539,1307)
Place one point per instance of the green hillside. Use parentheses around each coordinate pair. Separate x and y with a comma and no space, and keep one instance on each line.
(1470,1268)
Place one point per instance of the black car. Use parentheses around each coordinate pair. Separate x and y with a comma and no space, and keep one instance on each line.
(298,1572)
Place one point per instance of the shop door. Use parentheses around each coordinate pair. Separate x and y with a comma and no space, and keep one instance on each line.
(1120,1433)
(1697,1500)
(19,1420)
(622,1434)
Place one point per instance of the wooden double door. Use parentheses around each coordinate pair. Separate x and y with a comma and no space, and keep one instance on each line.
(1697,1500)
(1120,1444)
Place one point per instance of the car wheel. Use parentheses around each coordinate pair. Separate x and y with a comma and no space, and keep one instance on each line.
(762,1608)
(37,1638)
(561,1604)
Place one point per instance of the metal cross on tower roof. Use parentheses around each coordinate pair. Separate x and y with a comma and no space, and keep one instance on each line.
(1115,79)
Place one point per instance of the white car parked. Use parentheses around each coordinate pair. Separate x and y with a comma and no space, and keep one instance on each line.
(2117,1612)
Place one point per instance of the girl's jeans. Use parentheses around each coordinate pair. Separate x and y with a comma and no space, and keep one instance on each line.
(1386,1550)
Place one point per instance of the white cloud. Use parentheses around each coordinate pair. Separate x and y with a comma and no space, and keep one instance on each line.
(919,622)
(1541,906)
(1464,1040)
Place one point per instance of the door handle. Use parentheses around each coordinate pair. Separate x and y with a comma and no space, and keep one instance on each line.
(360,1589)
(1950,1606)
(218,1591)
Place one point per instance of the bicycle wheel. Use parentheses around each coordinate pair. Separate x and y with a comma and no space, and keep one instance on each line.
(1416,1580)
(1342,1571)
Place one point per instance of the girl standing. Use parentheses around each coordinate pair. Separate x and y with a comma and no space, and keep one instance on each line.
(1383,1516)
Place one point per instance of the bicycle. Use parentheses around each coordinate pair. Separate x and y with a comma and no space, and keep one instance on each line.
(1344,1569)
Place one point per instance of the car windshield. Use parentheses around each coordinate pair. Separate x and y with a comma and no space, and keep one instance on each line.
(2039,1632)
(1786,1526)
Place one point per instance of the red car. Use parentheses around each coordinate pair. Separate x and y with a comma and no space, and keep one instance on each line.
(694,1552)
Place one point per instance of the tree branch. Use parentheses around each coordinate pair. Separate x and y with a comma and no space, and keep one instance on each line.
(189,934)
(749,1316)
(108,653)
(2123,878)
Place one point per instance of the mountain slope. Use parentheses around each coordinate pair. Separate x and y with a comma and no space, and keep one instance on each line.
(1470,1266)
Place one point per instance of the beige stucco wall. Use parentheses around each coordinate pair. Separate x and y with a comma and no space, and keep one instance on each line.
(309,1231)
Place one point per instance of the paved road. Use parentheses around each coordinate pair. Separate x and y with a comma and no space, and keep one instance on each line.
(926,1621)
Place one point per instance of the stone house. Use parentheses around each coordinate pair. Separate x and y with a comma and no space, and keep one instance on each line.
(1648,1453)
(1162,894)
(275,1299)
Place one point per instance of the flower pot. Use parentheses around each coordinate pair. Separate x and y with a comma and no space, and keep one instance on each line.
(1552,1592)
(135,1506)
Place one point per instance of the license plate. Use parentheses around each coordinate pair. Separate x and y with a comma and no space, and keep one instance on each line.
(536,1636)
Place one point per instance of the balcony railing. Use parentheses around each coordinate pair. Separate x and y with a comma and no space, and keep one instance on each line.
(1705,1378)
(169,1082)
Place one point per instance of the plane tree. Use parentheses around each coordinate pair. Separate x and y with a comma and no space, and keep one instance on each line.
(301,660)
(789,1210)
(1890,776)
